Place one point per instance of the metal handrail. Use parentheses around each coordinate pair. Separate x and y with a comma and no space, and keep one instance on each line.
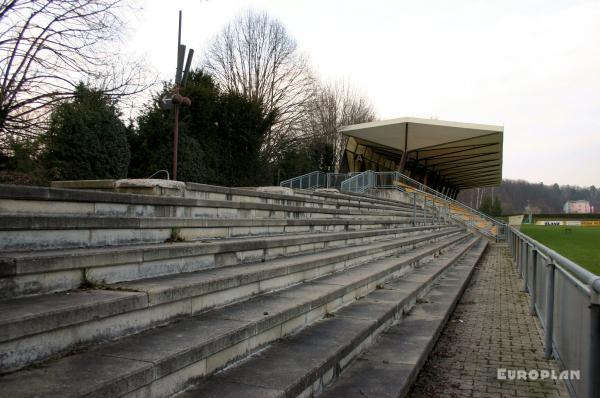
(588,278)
(158,172)
(560,273)
(334,180)
(359,182)
(388,179)
(315,179)
(425,188)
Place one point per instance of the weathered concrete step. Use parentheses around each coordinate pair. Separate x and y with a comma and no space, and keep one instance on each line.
(27,273)
(392,364)
(164,360)
(213,192)
(202,191)
(36,232)
(304,363)
(34,328)
(40,200)
(350,197)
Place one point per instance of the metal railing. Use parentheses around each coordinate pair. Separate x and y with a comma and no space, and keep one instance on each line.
(566,299)
(359,182)
(396,180)
(438,202)
(392,178)
(317,179)
(334,180)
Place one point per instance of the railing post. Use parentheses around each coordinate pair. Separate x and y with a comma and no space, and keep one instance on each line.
(511,243)
(550,269)
(526,268)
(533,294)
(521,254)
(414,209)
(516,250)
(522,258)
(424,210)
(594,356)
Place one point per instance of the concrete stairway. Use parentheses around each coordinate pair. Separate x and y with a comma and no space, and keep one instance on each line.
(111,294)
(307,362)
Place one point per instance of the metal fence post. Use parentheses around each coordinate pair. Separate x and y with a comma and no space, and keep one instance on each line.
(526,268)
(550,269)
(519,255)
(594,361)
(424,210)
(414,209)
(532,294)
(512,244)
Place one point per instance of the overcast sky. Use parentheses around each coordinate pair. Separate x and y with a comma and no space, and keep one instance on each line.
(531,66)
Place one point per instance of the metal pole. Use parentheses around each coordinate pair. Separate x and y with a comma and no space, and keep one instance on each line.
(414,209)
(516,251)
(512,244)
(521,245)
(533,294)
(177,77)
(526,268)
(550,268)
(424,210)
(594,358)
(175,137)
(518,256)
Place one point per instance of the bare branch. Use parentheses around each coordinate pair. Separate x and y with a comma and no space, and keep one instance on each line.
(48,46)
(337,104)
(254,56)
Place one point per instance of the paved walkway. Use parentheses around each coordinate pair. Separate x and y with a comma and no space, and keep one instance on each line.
(491,328)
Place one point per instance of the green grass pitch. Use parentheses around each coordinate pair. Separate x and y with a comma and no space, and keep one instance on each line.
(581,245)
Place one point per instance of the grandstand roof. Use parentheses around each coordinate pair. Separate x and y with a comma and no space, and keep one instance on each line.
(466,155)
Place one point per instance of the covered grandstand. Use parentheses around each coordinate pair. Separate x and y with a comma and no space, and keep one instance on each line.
(446,156)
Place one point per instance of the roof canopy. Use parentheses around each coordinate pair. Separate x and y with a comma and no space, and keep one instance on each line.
(466,155)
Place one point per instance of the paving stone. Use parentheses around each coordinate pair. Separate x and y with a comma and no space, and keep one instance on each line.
(490,328)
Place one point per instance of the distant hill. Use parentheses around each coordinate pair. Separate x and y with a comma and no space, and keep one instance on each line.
(516,195)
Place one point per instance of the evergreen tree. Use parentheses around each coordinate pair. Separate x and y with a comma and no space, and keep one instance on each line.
(305,157)
(86,139)
(486,205)
(220,137)
(496,209)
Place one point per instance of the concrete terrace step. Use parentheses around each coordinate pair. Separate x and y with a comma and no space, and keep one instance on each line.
(26,273)
(40,200)
(38,232)
(391,365)
(348,197)
(304,363)
(165,360)
(202,191)
(35,328)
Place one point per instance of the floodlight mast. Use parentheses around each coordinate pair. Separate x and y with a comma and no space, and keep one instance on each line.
(181,76)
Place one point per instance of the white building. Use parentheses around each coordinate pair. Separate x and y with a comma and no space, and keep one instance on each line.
(577,207)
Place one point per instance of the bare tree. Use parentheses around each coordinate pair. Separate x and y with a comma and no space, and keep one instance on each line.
(335,105)
(47,47)
(254,56)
